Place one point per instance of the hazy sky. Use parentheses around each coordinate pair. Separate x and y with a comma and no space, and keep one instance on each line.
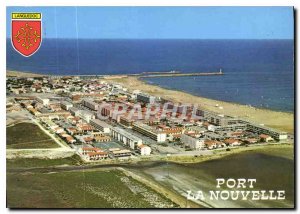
(164,22)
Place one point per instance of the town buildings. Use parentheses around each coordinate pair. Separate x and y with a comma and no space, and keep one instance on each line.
(150,132)
(192,142)
(101,125)
(43,101)
(121,133)
(126,138)
(145,98)
(144,150)
(66,105)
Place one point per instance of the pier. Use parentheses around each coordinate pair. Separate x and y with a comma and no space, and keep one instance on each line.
(182,74)
(144,74)
(112,76)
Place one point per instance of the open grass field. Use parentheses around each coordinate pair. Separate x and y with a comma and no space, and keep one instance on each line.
(80,189)
(36,162)
(27,136)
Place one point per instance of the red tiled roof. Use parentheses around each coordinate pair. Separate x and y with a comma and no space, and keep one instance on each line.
(264,136)
(230,141)
(88,139)
(210,142)
(91,149)
(96,153)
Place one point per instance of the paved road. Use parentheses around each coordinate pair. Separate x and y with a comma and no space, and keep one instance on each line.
(46,149)
(50,135)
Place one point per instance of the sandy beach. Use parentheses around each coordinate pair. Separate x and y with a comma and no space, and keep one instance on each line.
(279,120)
(22,74)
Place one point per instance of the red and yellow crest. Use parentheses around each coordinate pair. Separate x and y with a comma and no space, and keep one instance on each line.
(26,32)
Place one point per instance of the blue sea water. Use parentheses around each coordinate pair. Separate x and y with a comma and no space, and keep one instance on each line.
(257,72)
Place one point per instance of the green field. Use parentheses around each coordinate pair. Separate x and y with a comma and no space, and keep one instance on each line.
(27,136)
(80,189)
(36,162)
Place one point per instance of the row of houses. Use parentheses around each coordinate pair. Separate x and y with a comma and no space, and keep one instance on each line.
(92,153)
(200,143)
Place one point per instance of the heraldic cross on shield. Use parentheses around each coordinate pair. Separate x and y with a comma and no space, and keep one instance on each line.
(26,33)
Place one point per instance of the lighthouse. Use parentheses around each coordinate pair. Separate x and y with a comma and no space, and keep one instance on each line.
(221,71)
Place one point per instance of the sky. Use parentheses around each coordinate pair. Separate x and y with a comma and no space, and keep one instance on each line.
(163,22)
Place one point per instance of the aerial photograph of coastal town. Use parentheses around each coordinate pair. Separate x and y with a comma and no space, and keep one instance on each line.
(150,107)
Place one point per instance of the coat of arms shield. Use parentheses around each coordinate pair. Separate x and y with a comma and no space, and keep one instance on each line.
(26,33)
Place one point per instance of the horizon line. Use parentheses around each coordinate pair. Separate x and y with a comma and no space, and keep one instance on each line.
(171,38)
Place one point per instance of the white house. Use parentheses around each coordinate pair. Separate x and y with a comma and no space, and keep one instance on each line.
(232,142)
(144,150)
(44,101)
(265,138)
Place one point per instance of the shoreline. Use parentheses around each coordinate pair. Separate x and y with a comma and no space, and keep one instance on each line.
(10,73)
(231,102)
(138,174)
(180,160)
(283,121)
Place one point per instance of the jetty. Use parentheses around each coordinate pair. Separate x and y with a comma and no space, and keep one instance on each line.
(151,74)
(179,74)
(160,74)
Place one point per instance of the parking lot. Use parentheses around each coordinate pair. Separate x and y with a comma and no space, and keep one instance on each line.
(108,145)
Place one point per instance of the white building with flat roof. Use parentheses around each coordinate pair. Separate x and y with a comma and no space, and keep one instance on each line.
(144,150)
(193,143)
(90,104)
(150,132)
(74,111)
(101,125)
(85,115)
(43,101)
(260,129)
(126,138)
(66,105)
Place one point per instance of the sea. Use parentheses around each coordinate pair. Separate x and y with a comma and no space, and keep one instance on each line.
(259,73)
